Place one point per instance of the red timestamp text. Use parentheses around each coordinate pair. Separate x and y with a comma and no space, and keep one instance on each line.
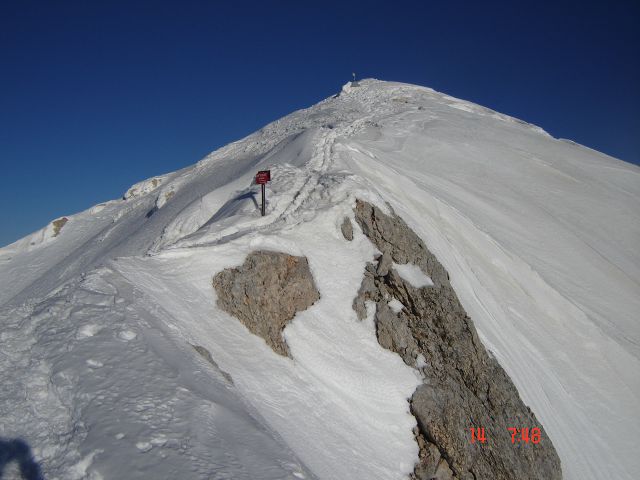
(518,435)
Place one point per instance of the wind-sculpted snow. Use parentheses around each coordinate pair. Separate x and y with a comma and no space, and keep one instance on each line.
(144,187)
(106,392)
(463,386)
(539,237)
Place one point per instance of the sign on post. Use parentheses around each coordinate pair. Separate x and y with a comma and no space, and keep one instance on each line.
(262,177)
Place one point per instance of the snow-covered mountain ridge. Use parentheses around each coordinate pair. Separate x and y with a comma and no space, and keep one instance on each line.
(539,236)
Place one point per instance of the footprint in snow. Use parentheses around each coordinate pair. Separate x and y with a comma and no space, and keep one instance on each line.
(159,440)
(94,363)
(127,335)
(87,331)
(144,446)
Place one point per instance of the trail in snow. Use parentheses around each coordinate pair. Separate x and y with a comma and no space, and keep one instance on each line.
(539,237)
(106,377)
(500,225)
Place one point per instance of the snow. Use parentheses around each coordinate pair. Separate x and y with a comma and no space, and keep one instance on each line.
(396,305)
(144,187)
(539,237)
(347,392)
(413,274)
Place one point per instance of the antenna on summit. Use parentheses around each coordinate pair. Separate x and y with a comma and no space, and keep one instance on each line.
(354,83)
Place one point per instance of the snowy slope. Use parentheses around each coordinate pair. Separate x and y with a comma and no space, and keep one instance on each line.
(539,236)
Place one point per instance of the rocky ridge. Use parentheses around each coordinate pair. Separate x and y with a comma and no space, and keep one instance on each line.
(464,387)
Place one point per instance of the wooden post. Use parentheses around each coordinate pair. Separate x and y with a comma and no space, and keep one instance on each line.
(263,199)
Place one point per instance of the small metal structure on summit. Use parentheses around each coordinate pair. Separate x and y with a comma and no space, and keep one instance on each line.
(354,83)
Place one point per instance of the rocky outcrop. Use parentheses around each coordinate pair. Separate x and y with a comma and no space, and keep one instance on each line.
(464,387)
(58,224)
(347,229)
(206,354)
(266,292)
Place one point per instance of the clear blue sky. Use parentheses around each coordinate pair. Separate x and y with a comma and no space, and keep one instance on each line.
(96,95)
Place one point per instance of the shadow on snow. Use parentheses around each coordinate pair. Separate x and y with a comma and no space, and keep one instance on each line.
(17,450)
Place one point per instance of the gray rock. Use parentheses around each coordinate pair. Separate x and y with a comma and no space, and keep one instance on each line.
(394,333)
(463,386)
(206,354)
(347,229)
(390,234)
(384,264)
(266,292)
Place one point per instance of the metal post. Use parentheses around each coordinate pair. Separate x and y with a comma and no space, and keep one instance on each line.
(263,199)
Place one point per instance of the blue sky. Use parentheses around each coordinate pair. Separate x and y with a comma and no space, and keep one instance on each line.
(97,95)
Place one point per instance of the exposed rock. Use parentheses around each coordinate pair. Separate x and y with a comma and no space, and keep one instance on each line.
(144,187)
(204,353)
(463,386)
(266,292)
(347,229)
(58,224)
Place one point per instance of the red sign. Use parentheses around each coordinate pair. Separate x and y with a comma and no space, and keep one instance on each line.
(263,176)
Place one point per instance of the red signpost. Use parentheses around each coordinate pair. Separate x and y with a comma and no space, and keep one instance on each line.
(262,177)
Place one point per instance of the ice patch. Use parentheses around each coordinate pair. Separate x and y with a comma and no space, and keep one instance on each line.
(396,305)
(94,363)
(412,274)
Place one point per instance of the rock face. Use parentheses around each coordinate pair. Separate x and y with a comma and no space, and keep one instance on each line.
(463,386)
(206,354)
(347,229)
(266,292)
(58,224)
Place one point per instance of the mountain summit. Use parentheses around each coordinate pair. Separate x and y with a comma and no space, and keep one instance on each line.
(437,290)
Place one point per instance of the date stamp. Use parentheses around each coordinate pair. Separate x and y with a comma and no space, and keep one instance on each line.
(524,435)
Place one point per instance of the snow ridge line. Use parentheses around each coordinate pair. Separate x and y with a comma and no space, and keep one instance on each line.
(319,166)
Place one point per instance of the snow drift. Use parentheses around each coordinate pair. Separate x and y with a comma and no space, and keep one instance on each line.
(539,237)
